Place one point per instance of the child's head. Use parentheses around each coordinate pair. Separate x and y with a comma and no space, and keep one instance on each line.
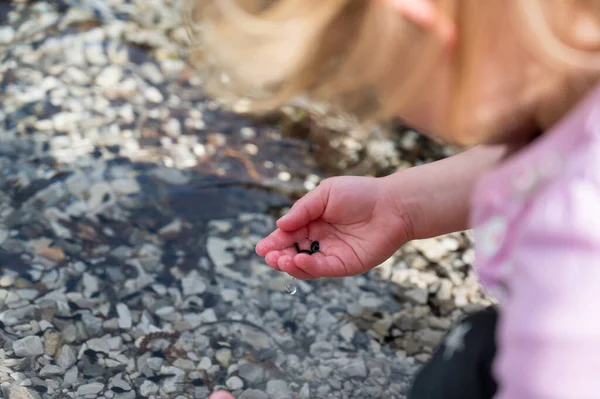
(469,71)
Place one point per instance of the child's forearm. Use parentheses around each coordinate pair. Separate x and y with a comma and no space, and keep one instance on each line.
(435,198)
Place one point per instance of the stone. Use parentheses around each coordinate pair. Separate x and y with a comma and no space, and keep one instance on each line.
(217,251)
(431,248)
(278,389)
(93,388)
(20,392)
(109,76)
(347,332)
(51,370)
(148,388)
(125,321)
(28,346)
(234,383)
(253,394)
(417,295)
(192,284)
(252,373)
(355,368)
(223,356)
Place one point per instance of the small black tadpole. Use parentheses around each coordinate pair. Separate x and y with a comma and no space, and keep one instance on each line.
(314,247)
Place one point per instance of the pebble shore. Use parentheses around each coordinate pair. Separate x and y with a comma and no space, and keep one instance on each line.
(130,205)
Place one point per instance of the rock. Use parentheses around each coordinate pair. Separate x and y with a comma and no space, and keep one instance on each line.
(110,76)
(94,54)
(29,346)
(304,392)
(171,229)
(321,349)
(70,377)
(468,257)
(429,337)
(355,368)
(229,295)
(217,251)
(151,72)
(252,373)
(99,344)
(444,293)
(66,357)
(439,323)
(417,295)
(431,248)
(125,321)
(93,388)
(173,127)
(223,356)
(51,370)
(347,332)
(278,389)
(234,383)
(7,33)
(51,342)
(153,95)
(253,394)
(184,364)
(148,388)
(192,284)
(20,392)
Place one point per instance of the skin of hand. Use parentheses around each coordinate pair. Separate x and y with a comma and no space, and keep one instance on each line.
(355,220)
(361,221)
(221,395)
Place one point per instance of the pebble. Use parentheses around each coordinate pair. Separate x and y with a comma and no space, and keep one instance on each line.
(153,95)
(21,392)
(417,295)
(217,251)
(28,346)
(251,373)
(278,389)
(125,320)
(234,383)
(66,357)
(355,368)
(93,388)
(148,388)
(7,33)
(110,76)
(192,284)
(253,394)
(223,356)
(51,370)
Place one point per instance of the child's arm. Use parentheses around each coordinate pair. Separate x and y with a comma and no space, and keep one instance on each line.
(439,200)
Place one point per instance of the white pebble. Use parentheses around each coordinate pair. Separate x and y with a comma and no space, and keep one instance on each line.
(235,383)
(125,320)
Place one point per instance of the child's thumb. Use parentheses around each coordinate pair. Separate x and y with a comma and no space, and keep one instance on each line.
(306,209)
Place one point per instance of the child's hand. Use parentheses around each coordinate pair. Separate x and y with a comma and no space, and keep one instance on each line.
(356,221)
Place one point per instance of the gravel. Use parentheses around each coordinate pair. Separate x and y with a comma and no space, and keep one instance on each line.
(130,205)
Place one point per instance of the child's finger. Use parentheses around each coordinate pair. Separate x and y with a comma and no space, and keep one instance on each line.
(287,263)
(221,395)
(279,240)
(306,209)
(323,266)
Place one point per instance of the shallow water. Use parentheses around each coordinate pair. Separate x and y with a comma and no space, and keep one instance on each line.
(116,223)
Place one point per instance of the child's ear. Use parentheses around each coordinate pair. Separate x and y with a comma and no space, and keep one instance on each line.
(427,15)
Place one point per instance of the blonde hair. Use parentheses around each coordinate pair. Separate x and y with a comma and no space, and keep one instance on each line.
(340,51)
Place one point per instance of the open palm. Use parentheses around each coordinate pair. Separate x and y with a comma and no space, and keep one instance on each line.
(356,221)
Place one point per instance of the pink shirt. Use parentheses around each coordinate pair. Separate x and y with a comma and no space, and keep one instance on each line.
(537,229)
